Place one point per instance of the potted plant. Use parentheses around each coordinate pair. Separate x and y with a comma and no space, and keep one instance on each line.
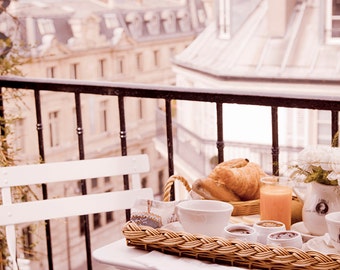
(318,167)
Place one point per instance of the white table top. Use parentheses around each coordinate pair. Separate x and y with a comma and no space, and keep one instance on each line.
(120,255)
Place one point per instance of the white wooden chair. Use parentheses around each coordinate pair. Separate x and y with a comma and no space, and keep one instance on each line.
(26,212)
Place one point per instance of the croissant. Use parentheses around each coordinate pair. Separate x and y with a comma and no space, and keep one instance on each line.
(233,180)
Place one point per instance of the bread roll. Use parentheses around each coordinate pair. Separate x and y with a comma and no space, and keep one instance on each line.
(233,180)
(234,163)
(211,190)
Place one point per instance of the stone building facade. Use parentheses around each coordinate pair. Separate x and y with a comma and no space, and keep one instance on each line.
(123,41)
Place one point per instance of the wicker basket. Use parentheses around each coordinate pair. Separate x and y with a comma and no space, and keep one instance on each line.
(228,252)
(241,208)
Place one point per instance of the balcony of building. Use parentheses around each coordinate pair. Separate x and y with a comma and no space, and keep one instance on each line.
(182,150)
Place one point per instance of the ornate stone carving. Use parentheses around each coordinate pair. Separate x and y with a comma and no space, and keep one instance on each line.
(184,20)
(152,22)
(169,21)
(135,23)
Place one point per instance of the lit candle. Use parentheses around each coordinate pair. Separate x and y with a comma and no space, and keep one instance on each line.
(275,201)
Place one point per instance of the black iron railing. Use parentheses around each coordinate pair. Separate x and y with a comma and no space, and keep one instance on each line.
(219,97)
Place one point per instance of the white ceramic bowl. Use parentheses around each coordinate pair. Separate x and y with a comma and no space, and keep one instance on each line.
(208,217)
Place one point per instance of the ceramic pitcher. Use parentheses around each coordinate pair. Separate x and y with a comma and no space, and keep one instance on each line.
(319,200)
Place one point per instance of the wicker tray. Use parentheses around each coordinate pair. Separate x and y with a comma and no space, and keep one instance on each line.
(228,252)
(242,208)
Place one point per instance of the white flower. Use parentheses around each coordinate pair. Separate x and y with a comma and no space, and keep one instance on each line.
(318,163)
(315,156)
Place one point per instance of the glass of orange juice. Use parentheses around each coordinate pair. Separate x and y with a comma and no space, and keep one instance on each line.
(276,200)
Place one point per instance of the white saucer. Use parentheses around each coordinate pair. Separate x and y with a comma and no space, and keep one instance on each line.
(300,227)
(319,244)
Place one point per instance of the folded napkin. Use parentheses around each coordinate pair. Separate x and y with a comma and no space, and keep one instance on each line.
(156,260)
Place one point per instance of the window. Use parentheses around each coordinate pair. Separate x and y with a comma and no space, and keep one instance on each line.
(80,186)
(336,18)
(96,221)
(144,182)
(75,124)
(82,220)
(27,242)
(140,109)
(92,115)
(297,125)
(19,140)
(54,128)
(103,121)
(231,15)
(333,21)
(94,182)
(139,61)
(50,72)
(46,26)
(102,67)
(120,65)
(324,127)
(74,71)
(156,58)
(107,179)
(109,217)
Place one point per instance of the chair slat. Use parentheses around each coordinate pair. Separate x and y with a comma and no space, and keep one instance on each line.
(72,170)
(71,206)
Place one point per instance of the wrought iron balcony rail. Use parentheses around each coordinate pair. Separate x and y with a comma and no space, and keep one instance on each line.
(273,99)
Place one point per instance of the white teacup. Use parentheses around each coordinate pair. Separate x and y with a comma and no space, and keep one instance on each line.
(208,217)
(285,239)
(333,228)
(265,227)
(241,232)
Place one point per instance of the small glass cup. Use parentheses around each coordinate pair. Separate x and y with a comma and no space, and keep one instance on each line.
(276,199)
